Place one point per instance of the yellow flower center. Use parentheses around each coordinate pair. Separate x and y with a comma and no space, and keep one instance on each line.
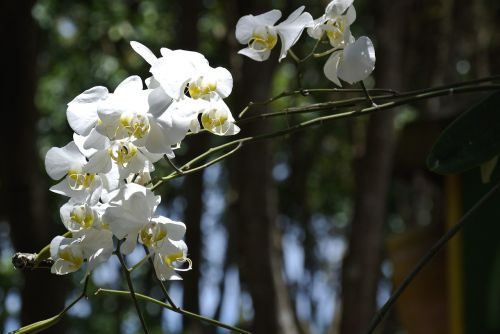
(67,255)
(83,216)
(79,180)
(122,152)
(169,259)
(136,126)
(201,87)
(336,35)
(213,118)
(151,234)
(263,40)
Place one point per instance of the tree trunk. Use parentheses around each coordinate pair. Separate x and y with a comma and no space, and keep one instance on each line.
(188,39)
(361,267)
(24,194)
(254,193)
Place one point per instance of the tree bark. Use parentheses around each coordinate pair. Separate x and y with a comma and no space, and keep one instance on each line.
(254,206)
(188,39)
(361,267)
(24,194)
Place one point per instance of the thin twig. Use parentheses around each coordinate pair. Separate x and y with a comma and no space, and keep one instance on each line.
(48,323)
(188,170)
(326,53)
(368,97)
(178,310)
(429,256)
(82,295)
(386,97)
(310,54)
(160,282)
(126,272)
(140,263)
(309,91)
(317,121)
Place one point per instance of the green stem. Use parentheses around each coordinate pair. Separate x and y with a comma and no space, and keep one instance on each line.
(162,286)
(295,58)
(140,263)
(171,163)
(368,97)
(177,310)
(314,122)
(126,272)
(310,54)
(308,91)
(326,53)
(392,94)
(188,170)
(48,323)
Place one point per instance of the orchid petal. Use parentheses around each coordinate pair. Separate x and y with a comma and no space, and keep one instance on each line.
(246,24)
(144,52)
(255,55)
(291,29)
(82,110)
(358,61)
(331,67)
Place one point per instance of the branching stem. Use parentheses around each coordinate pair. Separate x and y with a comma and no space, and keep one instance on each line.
(177,310)
(238,143)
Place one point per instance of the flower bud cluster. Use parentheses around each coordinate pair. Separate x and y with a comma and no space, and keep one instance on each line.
(118,137)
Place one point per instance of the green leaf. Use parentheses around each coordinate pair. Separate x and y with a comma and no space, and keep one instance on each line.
(469,141)
(38,326)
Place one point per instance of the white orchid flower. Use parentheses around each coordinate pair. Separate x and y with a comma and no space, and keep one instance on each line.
(128,211)
(177,70)
(335,23)
(80,215)
(160,229)
(129,113)
(337,8)
(69,254)
(123,155)
(82,110)
(169,257)
(210,82)
(352,64)
(174,69)
(123,114)
(291,29)
(68,162)
(215,116)
(261,35)
(97,246)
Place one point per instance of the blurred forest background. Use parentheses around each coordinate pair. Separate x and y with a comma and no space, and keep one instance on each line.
(296,235)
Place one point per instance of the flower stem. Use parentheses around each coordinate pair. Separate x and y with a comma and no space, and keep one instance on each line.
(401,99)
(42,325)
(126,272)
(140,263)
(171,163)
(368,97)
(177,310)
(162,286)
